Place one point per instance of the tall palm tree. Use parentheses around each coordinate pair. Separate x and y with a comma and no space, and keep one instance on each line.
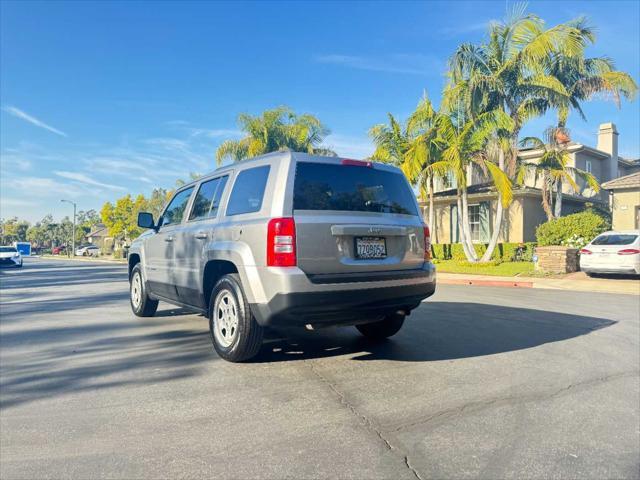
(275,130)
(412,147)
(464,143)
(508,73)
(423,150)
(554,169)
(583,78)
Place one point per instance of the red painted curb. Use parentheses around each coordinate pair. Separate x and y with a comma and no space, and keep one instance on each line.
(486,283)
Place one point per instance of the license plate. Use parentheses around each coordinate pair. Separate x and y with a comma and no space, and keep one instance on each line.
(371,247)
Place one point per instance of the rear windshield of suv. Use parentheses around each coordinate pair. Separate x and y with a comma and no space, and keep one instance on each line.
(322,186)
(7,249)
(616,239)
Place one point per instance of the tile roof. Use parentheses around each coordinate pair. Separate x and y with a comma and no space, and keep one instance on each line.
(628,181)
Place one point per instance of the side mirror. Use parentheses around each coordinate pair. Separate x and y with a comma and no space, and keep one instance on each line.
(145,220)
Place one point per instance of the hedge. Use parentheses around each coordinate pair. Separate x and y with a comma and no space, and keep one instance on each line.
(588,225)
(503,251)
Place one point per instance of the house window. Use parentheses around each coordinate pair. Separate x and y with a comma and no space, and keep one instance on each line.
(479,222)
(587,166)
(474,222)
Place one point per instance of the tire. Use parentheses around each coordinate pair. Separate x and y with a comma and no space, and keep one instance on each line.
(20,265)
(141,304)
(235,334)
(387,327)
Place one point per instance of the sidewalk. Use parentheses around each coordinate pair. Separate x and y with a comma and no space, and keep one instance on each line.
(82,259)
(574,281)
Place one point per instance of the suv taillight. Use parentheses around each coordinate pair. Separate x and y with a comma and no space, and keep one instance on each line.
(427,243)
(585,251)
(281,242)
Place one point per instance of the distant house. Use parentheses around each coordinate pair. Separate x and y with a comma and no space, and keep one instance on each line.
(625,201)
(526,212)
(97,235)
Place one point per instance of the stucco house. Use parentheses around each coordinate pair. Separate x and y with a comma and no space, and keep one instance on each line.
(97,235)
(526,213)
(625,201)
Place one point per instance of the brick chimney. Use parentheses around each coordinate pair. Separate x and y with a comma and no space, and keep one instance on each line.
(608,143)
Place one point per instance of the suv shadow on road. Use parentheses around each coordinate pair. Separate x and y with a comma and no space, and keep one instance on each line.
(438,331)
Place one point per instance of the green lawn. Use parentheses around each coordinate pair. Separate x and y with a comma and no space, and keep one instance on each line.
(505,269)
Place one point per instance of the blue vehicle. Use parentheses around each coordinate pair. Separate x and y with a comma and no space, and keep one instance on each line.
(23,247)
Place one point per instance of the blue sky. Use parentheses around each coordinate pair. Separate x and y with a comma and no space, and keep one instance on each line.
(100,99)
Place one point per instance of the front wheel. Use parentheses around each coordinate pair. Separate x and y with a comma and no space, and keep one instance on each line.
(387,327)
(235,334)
(141,304)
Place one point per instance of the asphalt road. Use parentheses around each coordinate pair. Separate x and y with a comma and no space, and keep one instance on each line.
(481,383)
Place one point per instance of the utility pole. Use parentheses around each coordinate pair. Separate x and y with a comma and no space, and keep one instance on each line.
(73,234)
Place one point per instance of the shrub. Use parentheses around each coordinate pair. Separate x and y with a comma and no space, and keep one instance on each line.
(586,225)
(506,252)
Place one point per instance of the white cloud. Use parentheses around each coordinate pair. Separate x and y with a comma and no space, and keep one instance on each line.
(16,202)
(349,147)
(82,178)
(16,112)
(414,64)
(44,187)
(216,133)
(13,162)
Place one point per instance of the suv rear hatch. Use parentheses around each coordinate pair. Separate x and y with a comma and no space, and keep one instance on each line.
(354,216)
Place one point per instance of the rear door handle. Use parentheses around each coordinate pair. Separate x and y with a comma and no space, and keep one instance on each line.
(168,239)
(201,235)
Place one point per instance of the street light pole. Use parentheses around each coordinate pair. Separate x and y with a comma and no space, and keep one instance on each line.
(73,233)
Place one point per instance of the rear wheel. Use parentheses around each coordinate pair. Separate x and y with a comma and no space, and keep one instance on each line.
(387,327)
(235,334)
(141,304)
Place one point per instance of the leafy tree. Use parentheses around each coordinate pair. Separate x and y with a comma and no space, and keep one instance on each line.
(272,131)
(13,230)
(156,202)
(121,219)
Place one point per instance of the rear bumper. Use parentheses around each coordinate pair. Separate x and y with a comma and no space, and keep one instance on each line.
(630,268)
(623,270)
(350,304)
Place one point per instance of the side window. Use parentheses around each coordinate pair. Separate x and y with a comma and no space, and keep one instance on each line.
(248,191)
(176,208)
(207,200)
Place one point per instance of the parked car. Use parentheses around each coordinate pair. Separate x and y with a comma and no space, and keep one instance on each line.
(286,239)
(10,257)
(59,250)
(612,252)
(88,251)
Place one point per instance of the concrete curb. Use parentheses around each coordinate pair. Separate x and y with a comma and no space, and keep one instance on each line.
(486,283)
(621,286)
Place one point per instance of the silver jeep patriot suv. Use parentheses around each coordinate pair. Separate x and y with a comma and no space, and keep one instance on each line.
(286,239)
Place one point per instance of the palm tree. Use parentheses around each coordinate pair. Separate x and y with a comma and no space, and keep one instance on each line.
(411,147)
(554,169)
(508,73)
(584,78)
(464,143)
(275,130)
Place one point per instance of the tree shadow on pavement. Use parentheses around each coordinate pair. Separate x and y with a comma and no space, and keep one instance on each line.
(438,331)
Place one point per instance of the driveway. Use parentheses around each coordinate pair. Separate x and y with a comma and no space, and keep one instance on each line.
(481,383)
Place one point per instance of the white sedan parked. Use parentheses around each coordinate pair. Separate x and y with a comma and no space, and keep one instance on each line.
(88,251)
(612,252)
(10,257)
